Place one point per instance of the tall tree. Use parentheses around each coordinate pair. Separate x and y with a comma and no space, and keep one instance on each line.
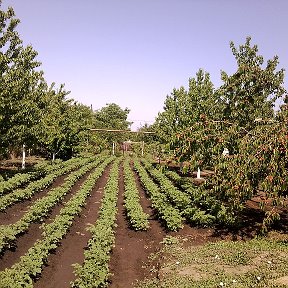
(250,92)
(183,115)
(63,129)
(51,132)
(184,108)
(247,95)
(19,82)
(112,116)
(171,119)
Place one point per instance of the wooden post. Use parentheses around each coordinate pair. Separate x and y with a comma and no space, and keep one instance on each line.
(23,158)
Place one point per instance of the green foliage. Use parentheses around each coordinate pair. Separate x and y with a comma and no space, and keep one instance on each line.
(64,125)
(137,218)
(36,186)
(183,108)
(251,91)
(31,112)
(170,215)
(177,197)
(20,101)
(43,206)
(94,272)
(21,179)
(196,125)
(30,265)
(260,165)
(112,116)
(238,116)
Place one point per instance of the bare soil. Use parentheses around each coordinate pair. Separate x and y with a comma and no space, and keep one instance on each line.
(132,248)
(130,259)
(59,270)
(27,240)
(13,213)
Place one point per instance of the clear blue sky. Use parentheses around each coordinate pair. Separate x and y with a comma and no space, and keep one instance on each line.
(134,52)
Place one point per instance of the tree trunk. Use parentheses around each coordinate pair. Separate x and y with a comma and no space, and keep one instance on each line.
(12,154)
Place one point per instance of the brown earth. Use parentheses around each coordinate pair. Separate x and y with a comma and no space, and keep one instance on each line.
(12,165)
(26,240)
(59,270)
(132,248)
(130,257)
(13,213)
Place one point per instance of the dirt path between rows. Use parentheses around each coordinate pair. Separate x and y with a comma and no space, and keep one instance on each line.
(59,270)
(130,256)
(27,239)
(132,248)
(17,210)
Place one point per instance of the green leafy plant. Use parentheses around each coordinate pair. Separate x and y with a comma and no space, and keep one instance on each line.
(137,218)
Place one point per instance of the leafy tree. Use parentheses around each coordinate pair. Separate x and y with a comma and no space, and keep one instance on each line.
(257,136)
(250,93)
(10,46)
(169,121)
(78,135)
(184,108)
(221,119)
(183,111)
(201,99)
(147,137)
(32,113)
(64,125)
(20,105)
(112,116)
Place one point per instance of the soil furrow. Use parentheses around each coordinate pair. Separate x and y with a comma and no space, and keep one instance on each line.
(59,270)
(27,239)
(17,210)
(132,248)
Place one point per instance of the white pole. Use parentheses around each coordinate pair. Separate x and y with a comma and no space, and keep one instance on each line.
(113,148)
(23,158)
(142,153)
(198,173)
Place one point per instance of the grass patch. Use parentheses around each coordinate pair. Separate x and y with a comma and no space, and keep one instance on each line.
(261,262)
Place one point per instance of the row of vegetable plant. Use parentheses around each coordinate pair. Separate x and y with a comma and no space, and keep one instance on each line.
(42,207)
(138,219)
(170,215)
(192,213)
(94,272)
(206,209)
(36,186)
(18,180)
(21,179)
(30,265)
(177,197)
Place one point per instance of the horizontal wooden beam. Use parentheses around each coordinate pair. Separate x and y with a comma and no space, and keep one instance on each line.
(120,131)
